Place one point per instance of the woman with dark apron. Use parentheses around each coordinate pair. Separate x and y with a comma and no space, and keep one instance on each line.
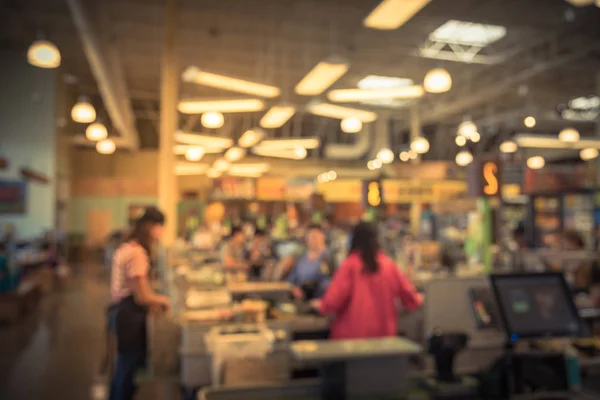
(133,297)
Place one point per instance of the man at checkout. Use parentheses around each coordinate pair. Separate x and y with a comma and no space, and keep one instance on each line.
(312,272)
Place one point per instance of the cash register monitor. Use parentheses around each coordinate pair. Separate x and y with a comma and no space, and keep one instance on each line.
(536,305)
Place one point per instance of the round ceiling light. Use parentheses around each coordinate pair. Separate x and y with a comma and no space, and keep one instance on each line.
(212,120)
(221,165)
(332,175)
(404,156)
(588,154)
(213,173)
(536,162)
(530,122)
(476,137)
(300,153)
(43,54)
(351,125)
(437,80)
(377,163)
(420,145)
(412,154)
(508,147)
(235,154)
(464,158)
(106,146)
(569,135)
(371,165)
(386,156)
(96,132)
(194,154)
(467,129)
(83,112)
(460,140)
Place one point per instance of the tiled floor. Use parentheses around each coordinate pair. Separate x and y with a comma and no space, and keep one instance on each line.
(55,354)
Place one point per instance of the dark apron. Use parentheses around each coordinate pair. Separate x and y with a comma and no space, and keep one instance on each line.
(131,327)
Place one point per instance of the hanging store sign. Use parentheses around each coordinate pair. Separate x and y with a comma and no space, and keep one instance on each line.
(485,178)
(13,197)
(557,178)
(341,190)
(373,193)
(270,189)
(234,188)
(299,189)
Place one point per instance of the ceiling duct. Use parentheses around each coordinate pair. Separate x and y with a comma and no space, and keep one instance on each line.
(354,151)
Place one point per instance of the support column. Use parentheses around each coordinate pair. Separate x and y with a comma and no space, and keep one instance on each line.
(168,194)
(416,207)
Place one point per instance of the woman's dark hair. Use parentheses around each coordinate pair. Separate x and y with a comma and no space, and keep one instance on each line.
(364,242)
(142,227)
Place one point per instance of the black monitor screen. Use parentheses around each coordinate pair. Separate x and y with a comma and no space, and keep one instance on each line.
(536,305)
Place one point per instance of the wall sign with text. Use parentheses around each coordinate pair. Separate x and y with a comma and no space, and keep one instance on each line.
(372,193)
(485,178)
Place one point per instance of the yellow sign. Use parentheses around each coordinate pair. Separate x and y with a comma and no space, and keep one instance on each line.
(490,170)
(373,194)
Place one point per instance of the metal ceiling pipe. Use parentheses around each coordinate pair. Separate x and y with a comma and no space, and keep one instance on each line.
(118,106)
(354,151)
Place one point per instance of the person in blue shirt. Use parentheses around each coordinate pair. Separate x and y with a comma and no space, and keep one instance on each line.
(311,274)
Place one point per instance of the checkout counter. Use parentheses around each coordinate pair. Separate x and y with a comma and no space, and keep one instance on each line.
(245,344)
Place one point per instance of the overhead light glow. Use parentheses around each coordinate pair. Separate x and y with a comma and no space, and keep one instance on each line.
(181,149)
(467,33)
(376,82)
(193,74)
(224,106)
(321,77)
(213,173)
(190,169)
(83,112)
(307,143)
(277,116)
(235,154)
(106,146)
(476,137)
(377,163)
(221,165)
(460,140)
(212,120)
(437,80)
(332,175)
(420,145)
(536,162)
(357,95)
(508,147)
(467,129)
(392,14)
(298,153)
(412,154)
(351,125)
(588,154)
(339,112)
(194,153)
(530,122)
(464,158)
(404,157)
(386,156)
(569,135)
(96,132)
(203,140)
(256,168)
(43,54)
(251,137)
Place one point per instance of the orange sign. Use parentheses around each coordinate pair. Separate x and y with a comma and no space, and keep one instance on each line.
(270,189)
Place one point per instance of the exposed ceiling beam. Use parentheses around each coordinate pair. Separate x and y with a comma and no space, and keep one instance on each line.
(111,84)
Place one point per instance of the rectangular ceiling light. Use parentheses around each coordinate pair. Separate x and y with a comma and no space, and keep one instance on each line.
(180,149)
(290,154)
(195,75)
(357,95)
(202,140)
(321,77)
(467,33)
(339,112)
(256,168)
(552,142)
(251,137)
(190,169)
(307,143)
(225,106)
(376,82)
(277,116)
(392,14)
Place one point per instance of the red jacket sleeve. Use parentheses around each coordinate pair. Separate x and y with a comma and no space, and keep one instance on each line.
(337,295)
(409,297)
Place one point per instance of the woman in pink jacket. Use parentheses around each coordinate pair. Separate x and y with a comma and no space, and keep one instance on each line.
(363,296)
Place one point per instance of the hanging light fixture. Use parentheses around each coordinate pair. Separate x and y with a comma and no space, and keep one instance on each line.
(437,80)
(212,120)
(213,173)
(235,154)
(300,153)
(377,163)
(464,158)
(460,140)
(536,162)
(221,165)
(420,145)
(508,146)
(529,122)
(588,154)
(83,112)
(194,153)
(404,157)
(43,54)
(96,132)
(371,166)
(251,137)
(106,146)
(569,135)
(412,154)
(476,137)
(386,156)
(351,125)
(467,129)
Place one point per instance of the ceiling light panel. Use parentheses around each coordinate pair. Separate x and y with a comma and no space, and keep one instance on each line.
(468,33)
(339,112)
(307,143)
(195,75)
(277,116)
(321,77)
(202,140)
(356,95)
(251,137)
(256,168)
(190,168)
(552,142)
(225,106)
(383,82)
(392,14)
(181,149)
(290,154)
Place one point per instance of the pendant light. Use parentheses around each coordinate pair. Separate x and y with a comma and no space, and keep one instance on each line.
(529,122)
(194,153)
(212,120)
(437,80)
(235,154)
(460,140)
(569,135)
(43,54)
(508,146)
(404,156)
(536,162)
(83,111)
(464,158)
(96,132)
(351,125)
(588,154)
(106,146)
(420,145)
(467,129)
(386,156)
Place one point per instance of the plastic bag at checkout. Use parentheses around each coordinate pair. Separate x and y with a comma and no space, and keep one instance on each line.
(572,367)
(237,342)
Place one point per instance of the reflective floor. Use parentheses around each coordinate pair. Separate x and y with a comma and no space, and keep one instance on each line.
(56,352)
